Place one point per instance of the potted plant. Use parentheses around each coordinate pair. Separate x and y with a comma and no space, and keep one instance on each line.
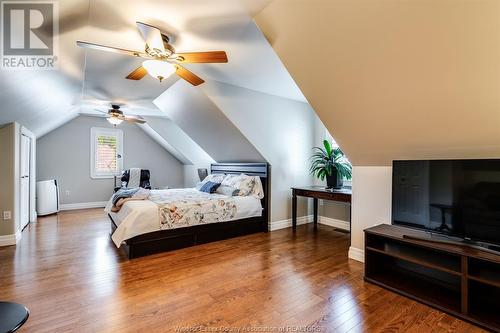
(330,164)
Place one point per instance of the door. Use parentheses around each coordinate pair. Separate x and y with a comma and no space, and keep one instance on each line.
(411,193)
(25,180)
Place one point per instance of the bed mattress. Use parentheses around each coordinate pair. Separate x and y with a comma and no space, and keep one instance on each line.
(143,216)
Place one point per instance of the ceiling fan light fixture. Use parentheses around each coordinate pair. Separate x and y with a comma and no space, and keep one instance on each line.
(114,121)
(159,69)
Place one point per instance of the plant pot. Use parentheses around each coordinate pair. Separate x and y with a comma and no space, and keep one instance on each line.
(335,180)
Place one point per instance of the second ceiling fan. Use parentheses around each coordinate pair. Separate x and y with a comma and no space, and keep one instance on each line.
(161,58)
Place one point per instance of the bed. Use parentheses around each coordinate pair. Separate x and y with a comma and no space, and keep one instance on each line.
(136,227)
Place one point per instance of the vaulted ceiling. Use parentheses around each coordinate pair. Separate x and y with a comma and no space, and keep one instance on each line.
(44,100)
(396,79)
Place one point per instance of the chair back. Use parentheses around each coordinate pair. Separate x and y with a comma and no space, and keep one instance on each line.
(145,179)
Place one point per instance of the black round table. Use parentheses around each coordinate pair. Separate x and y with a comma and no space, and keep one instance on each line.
(12,316)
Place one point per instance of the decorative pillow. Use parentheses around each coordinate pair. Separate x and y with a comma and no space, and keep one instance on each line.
(258,190)
(244,183)
(213,177)
(247,184)
(231,180)
(209,187)
(228,190)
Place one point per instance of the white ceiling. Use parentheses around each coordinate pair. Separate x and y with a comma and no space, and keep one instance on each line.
(45,100)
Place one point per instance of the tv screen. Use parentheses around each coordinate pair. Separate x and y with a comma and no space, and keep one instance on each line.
(455,197)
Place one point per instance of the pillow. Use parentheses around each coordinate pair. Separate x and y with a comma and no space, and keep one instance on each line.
(247,184)
(231,180)
(209,187)
(213,177)
(228,190)
(244,183)
(258,190)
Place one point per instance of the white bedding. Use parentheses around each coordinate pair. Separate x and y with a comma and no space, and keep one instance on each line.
(142,216)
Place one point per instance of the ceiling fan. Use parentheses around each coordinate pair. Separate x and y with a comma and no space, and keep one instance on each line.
(116,116)
(161,58)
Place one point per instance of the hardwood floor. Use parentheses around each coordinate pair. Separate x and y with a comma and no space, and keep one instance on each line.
(72,278)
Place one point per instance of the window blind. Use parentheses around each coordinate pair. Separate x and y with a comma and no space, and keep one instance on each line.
(106,151)
(106,154)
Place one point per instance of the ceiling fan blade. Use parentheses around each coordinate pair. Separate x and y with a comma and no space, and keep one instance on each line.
(151,35)
(202,57)
(112,49)
(137,73)
(100,111)
(93,114)
(132,119)
(188,75)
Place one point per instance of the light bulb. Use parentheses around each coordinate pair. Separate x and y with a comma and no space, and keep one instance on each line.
(158,69)
(114,121)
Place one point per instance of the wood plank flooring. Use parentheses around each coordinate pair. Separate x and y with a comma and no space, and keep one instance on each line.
(69,274)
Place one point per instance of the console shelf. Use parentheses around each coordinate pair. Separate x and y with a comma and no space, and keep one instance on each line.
(456,279)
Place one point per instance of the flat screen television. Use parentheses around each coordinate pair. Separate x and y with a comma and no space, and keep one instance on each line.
(456,198)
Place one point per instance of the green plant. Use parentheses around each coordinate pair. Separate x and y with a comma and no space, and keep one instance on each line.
(325,160)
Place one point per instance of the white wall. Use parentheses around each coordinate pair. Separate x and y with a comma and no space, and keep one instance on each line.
(179,140)
(371,203)
(64,154)
(281,129)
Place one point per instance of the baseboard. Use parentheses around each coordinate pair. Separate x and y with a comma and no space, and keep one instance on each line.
(339,224)
(356,254)
(83,205)
(276,225)
(13,239)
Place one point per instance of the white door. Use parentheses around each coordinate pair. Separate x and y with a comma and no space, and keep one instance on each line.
(411,193)
(25,180)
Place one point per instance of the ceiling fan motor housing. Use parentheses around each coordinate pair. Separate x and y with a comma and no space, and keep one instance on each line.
(115,111)
(161,54)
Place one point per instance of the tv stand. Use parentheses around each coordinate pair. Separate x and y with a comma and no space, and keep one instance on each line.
(455,241)
(461,280)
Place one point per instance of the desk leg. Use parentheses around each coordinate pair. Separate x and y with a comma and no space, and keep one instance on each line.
(315,200)
(294,212)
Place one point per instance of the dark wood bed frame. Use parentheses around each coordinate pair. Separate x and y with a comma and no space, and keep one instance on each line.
(166,240)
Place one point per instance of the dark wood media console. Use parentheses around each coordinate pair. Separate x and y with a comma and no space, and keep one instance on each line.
(456,279)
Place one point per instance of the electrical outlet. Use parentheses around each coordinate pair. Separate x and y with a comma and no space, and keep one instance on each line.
(7,215)
(68,193)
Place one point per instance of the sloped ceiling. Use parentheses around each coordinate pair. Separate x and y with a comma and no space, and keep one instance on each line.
(176,137)
(194,26)
(396,79)
(191,109)
(43,100)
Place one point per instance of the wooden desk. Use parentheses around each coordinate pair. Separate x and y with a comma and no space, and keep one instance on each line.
(318,192)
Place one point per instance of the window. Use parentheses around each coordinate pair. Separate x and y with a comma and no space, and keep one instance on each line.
(329,137)
(106,147)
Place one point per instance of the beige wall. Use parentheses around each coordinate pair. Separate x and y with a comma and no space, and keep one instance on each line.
(9,137)
(396,79)
(371,202)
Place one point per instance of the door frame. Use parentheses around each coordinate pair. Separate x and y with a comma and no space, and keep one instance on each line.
(32,185)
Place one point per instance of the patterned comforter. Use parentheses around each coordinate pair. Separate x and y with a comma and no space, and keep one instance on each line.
(183,208)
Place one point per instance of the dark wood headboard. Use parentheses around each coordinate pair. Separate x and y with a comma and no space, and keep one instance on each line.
(251,169)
